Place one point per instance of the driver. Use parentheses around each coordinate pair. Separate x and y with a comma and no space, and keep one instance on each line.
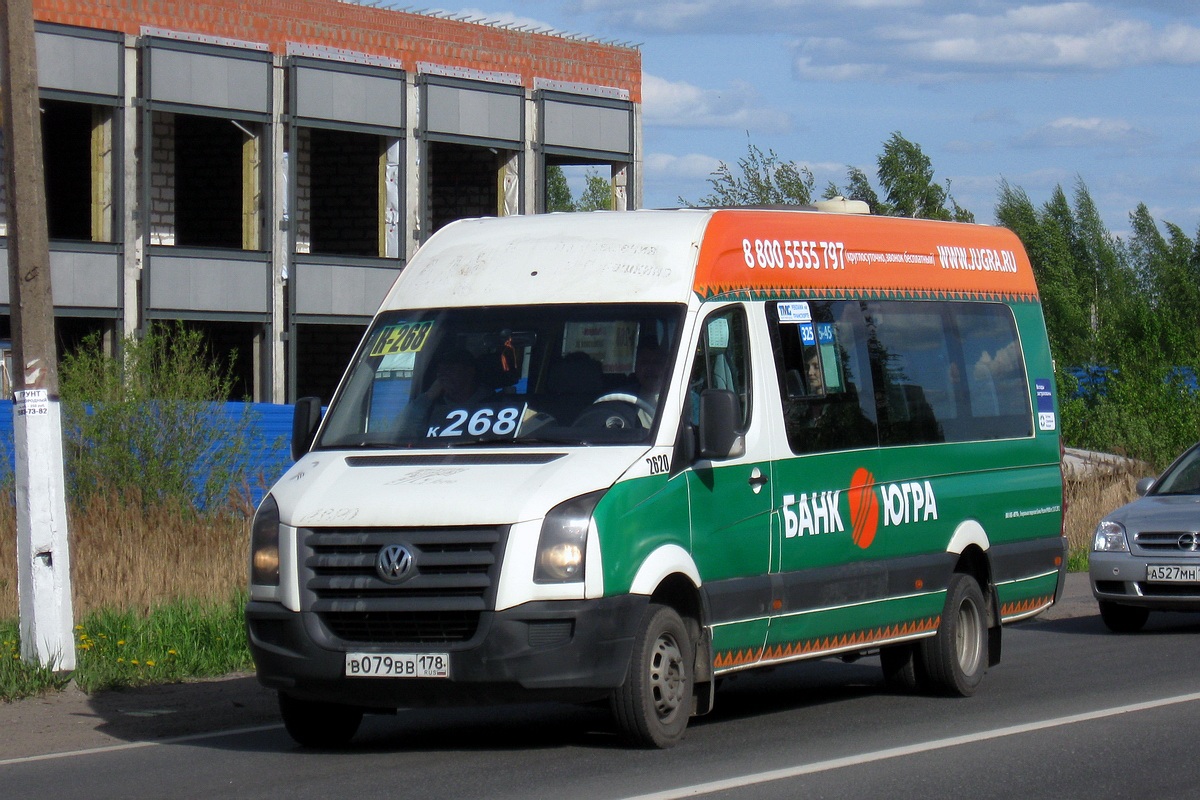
(649,378)
(455,385)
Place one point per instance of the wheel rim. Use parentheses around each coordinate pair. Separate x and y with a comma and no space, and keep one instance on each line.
(968,638)
(667,676)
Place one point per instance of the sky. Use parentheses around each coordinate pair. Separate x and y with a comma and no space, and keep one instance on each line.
(1038,94)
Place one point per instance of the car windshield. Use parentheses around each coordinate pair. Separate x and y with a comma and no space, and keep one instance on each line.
(1183,477)
(511,375)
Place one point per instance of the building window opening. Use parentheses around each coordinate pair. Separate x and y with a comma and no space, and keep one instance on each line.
(78,140)
(342,183)
(323,351)
(206,182)
(233,348)
(576,185)
(465,181)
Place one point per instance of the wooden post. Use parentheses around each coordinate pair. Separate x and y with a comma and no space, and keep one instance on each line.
(43,561)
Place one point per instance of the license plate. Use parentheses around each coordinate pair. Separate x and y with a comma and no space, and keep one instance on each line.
(1172,573)
(397,665)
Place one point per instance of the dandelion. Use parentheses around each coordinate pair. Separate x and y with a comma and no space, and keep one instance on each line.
(120,641)
(133,661)
(120,661)
(149,663)
(172,653)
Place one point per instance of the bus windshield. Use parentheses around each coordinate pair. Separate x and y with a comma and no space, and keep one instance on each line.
(511,375)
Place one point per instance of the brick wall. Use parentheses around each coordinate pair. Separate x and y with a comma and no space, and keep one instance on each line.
(162,180)
(345,192)
(408,38)
(462,182)
(302,213)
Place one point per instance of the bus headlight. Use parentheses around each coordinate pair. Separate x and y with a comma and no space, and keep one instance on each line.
(264,544)
(563,542)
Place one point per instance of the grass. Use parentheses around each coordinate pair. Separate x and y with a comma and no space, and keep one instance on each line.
(175,642)
(157,595)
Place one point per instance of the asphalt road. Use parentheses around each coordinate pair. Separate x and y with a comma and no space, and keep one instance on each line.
(1072,711)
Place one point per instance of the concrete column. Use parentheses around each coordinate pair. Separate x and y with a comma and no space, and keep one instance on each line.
(634,181)
(132,239)
(413,176)
(274,347)
(532,179)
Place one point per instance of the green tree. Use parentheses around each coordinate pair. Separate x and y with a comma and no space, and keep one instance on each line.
(597,195)
(760,179)
(1048,243)
(558,192)
(858,187)
(1129,306)
(145,426)
(905,174)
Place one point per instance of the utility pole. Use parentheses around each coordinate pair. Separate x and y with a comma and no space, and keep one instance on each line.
(43,561)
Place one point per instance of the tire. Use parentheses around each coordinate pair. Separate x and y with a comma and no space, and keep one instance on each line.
(1123,619)
(651,708)
(954,660)
(319,725)
(900,668)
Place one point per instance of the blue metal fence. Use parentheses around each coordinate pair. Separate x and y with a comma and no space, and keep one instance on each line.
(269,452)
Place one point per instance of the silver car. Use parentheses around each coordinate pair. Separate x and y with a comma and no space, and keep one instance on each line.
(1146,555)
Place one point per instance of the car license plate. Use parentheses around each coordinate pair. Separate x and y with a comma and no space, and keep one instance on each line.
(397,665)
(1172,573)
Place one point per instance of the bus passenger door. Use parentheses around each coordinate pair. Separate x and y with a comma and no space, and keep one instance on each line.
(731,499)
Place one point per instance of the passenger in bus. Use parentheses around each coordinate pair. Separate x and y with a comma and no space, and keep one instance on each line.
(825,422)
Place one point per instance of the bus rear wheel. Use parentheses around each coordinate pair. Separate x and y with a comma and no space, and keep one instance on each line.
(953,661)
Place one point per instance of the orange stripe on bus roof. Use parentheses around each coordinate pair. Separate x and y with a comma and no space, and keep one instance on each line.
(778,253)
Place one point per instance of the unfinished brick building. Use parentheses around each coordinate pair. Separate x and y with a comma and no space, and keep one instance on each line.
(263,170)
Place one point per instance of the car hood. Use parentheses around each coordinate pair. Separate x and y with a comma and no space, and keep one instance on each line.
(1160,513)
(340,489)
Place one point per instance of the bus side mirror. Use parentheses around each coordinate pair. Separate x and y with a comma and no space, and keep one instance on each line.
(720,418)
(306,416)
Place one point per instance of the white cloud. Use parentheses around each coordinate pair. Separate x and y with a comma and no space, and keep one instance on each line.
(690,167)
(679,104)
(1074,132)
(1031,39)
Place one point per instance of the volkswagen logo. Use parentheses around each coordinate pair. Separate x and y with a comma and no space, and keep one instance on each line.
(1189,541)
(394,563)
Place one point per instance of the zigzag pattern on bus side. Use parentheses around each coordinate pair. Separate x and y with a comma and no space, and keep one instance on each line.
(1026,606)
(829,644)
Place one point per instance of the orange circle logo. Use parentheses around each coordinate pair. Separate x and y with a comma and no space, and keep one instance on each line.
(864,507)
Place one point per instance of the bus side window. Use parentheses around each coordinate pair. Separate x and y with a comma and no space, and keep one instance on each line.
(827,400)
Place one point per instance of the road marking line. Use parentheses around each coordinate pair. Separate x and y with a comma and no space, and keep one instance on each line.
(113,748)
(907,750)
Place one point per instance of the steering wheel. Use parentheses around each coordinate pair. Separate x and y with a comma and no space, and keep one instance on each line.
(618,410)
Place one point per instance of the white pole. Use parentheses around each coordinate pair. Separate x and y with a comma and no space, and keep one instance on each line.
(43,558)
(43,563)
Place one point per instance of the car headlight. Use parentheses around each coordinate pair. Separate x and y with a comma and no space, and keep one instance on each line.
(264,544)
(1110,538)
(562,545)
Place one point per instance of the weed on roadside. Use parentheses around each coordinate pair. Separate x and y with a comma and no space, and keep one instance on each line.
(114,649)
